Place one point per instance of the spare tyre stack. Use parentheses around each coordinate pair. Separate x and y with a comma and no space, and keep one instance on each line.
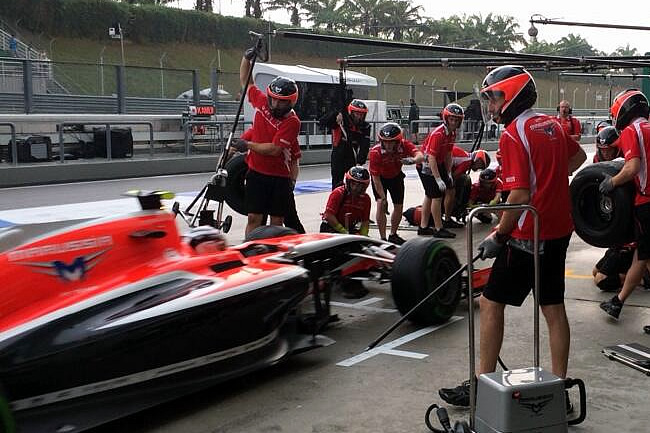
(602,220)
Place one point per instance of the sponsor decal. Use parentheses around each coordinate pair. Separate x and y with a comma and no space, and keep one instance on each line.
(76,245)
(73,271)
(537,403)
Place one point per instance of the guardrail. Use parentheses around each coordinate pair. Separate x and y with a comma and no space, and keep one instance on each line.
(14,146)
(60,126)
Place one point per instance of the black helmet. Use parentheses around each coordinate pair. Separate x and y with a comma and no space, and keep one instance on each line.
(390,131)
(358,106)
(606,137)
(357,174)
(627,106)
(488,175)
(284,89)
(452,109)
(603,124)
(516,86)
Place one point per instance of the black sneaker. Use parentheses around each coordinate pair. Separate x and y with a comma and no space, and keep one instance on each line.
(567,401)
(396,239)
(443,233)
(451,224)
(425,231)
(458,396)
(646,329)
(612,307)
(484,218)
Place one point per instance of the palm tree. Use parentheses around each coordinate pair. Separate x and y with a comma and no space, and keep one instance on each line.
(366,15)
(574,45)
(625,51)
(399,16)
(330,14)
(292,5)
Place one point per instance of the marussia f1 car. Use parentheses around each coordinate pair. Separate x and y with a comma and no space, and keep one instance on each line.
(110,316)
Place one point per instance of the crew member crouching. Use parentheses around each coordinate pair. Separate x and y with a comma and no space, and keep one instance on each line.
(348,206)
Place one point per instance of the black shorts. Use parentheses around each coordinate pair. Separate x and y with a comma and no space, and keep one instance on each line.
(393,186)
(429,183)
(513,274)
(642,217)
(267,194)
(617,260)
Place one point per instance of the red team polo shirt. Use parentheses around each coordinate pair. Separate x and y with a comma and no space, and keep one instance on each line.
(439,143)
(339,203)
(389,164)
(461,161)
(535,153)
(485,195)
(635,143)
(267,129)
(571,125)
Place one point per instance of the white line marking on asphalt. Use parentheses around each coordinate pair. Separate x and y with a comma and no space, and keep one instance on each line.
(389,347)
(363,305)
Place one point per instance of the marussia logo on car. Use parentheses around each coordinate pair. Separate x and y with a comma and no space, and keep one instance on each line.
(74,271)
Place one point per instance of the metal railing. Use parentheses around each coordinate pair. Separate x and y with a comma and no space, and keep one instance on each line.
(14,147)
(61,127)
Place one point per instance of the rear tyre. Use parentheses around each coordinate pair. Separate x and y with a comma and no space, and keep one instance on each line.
(235,194)
(602,220)
(420,266)
(265,232)
(7,424)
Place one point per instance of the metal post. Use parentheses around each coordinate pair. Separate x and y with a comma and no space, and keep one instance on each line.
(470,291)
(28,87)
(195,87)
(109,150)
(121,89)
(162,76)
(61,143)
(214,86)
(121,42)
(574,97)
(101,69)
(186,137)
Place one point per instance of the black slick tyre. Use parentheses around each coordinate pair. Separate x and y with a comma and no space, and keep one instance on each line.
(265,232)
(419,267)
(602,220)
(235,194)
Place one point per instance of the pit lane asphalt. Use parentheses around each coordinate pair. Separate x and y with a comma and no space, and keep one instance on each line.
(387,392)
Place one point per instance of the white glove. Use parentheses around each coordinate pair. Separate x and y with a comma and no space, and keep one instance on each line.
(441,185)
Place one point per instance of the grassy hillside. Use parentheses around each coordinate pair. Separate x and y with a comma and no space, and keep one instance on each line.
(142,82)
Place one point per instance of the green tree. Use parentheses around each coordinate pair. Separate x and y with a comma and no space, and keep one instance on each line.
(366,15)
(292,5)
(575,46)
(625,51)
(253,9)
(330,14)
(203,5)
(398,17)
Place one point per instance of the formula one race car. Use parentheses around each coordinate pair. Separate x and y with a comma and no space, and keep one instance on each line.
(110,316)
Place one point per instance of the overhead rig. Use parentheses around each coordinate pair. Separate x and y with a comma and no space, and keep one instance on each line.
(484,58)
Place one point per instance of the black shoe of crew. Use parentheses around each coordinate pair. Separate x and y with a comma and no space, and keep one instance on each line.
(443,233)
(458,396)
(612,307)
(396,239)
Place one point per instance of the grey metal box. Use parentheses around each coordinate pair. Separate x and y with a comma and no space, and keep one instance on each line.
(528,400)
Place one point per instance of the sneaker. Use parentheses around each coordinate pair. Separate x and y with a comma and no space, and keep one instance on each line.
(396,239)
(612,307)
(484,218)
(425,231)
(458,396)
(567,401)
(451,224)
(646,329)
(443,233)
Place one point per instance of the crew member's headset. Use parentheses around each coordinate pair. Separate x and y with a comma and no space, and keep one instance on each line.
(557,108)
